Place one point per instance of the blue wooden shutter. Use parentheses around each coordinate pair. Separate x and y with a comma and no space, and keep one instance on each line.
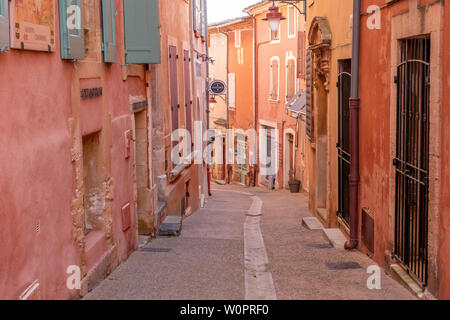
(72,40)
(109,45)
(142,40)
(4,26)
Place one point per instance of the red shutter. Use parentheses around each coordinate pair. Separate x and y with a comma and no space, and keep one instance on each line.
(173,86)
(309,98)
(187,92)
(301,65)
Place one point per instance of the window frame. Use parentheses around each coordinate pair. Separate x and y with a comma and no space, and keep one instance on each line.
(292,16)
(232,89)
(237,35)
(291,58)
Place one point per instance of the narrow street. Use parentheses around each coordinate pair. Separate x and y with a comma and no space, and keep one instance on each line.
(214,256)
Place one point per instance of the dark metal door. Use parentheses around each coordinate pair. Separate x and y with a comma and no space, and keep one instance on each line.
(343,145)
(412,157)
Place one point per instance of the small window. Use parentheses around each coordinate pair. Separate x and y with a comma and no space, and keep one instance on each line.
(275,35)
(198,15)
(291,22)
(237,38)
(232,90)
(274,78)
(240,54)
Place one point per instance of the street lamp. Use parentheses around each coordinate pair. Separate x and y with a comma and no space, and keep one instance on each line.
(274,15)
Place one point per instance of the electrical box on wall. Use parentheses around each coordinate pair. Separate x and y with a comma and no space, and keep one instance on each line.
(126,217)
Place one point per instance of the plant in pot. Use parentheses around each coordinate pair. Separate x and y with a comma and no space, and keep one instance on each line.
(294,184)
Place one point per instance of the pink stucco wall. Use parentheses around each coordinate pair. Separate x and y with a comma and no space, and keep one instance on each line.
(37,175)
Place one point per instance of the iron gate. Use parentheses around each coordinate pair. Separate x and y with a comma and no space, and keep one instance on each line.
(343,145)
(412,157)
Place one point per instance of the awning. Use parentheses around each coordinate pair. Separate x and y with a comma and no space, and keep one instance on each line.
(296,107)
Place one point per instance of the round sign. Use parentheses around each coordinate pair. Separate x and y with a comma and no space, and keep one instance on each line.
(218,87)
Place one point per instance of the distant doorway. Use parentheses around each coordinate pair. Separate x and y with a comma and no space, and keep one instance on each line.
(289,158)
(343,145)
(144,204)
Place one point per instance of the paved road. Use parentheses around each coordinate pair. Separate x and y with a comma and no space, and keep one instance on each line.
(237,249)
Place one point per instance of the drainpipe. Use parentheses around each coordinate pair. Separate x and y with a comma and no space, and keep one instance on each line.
(225,165)
(354,130)
(255,103)
(205,25)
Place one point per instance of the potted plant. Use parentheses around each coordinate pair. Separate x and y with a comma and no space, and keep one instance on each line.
(294,186)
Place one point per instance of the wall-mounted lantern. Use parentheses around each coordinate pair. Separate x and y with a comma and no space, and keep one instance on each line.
(274,16)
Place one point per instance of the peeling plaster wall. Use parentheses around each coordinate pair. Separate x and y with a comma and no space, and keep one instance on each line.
(41,175)
(406,18)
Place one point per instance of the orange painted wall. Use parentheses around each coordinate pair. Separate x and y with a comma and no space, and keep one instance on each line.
(376,79)
(242,116)
(269,110)
(375,158)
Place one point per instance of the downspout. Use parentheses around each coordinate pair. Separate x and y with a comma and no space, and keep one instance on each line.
(228,180)
(255,97)
(255,86)
(354,177)
(205,25)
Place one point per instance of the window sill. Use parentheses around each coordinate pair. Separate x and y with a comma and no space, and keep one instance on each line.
(274,101)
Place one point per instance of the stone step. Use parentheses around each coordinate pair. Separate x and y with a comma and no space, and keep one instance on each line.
(335,237)
(406,280)
(171,226)
(312,223)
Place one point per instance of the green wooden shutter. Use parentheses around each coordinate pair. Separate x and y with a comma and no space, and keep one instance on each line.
(142,40)
(109,45)
(72,39)
(4,26)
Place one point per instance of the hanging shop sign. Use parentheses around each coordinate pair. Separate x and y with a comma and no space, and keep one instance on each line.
(218,87)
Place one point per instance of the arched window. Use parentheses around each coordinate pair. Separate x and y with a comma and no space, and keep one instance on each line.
(274,78)
(291,78)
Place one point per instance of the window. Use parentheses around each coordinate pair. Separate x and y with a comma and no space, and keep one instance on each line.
(237,38)
(275,35)
(240,54)
(291,78)
(199,16)
(109,31)
(4,26)
(72,39)
(142,36)
(291,21)
(232,90)
(274,78)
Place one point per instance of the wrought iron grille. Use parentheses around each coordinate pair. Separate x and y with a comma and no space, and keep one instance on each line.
(412,157)
(343,145)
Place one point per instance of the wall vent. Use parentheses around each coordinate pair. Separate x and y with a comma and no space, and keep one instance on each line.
(367,230)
